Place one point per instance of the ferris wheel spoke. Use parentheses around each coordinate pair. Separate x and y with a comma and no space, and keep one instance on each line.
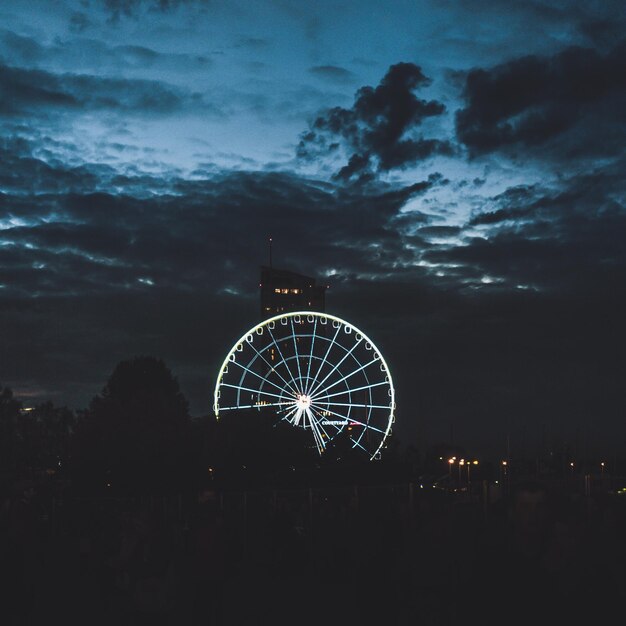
(254,406)
(283,360)
(344,378)
(315,428)
(263,378)
(295,349)
(272,368)
(308,371)
(324,360)
(318,419)
(325,411)
(256,391)
(335,367)
(357,406)
(292,410)
(289,413)
(298,416)
(357,444)
(354,421)
(352,439)
(341,393)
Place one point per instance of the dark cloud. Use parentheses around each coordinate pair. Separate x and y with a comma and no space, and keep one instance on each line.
(576,96)
(26,49)
(516,203)
(28,90)
(333,73)
(603,32)
(139,54)
(92,57)
(253,43)
(539,25)
(77,238)
(79,22)
(24,165)
(142,57)
(379,131)
(564,240)
(130,8)
(440,231)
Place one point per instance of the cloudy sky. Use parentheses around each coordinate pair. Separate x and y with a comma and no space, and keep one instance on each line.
(452,169)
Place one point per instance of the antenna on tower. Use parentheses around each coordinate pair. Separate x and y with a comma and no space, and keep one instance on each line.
(270,246)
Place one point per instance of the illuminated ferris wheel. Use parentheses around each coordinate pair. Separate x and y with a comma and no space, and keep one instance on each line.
(315,371)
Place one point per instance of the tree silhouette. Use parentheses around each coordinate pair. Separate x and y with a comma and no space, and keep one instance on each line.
(134,436)
(9,415)
(255,445)
(44,435)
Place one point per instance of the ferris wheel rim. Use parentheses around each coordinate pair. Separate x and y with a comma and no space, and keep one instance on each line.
(312,316)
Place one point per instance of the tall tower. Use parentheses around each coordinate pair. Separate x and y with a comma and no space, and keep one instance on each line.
(283,291)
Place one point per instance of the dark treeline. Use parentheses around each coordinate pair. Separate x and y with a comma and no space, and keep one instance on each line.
(130,513)
(136,437)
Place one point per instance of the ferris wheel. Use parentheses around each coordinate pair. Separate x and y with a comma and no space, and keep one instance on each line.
(314,371)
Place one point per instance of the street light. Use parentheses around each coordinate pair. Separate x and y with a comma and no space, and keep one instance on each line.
(504,468)
(469,482)
(450,464)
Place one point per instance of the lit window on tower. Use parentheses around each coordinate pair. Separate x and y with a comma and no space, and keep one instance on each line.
(283,291)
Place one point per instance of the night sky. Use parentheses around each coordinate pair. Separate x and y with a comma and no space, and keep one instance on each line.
(453,170)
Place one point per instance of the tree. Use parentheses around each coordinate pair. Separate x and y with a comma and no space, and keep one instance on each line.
(134,435)
(9,416)
(44,433)
(253,445)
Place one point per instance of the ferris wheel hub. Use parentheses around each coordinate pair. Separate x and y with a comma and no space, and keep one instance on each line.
(303,401)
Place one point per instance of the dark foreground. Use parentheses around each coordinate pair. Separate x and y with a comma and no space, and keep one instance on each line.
(346,555)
